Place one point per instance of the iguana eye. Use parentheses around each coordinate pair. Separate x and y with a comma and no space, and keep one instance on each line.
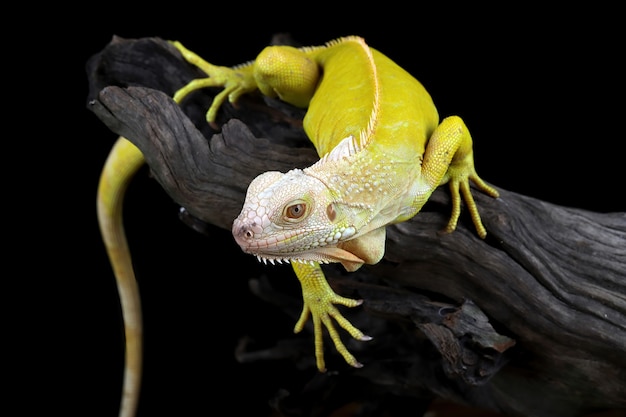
(295,211)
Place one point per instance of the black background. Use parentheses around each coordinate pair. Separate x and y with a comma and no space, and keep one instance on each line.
(542,92)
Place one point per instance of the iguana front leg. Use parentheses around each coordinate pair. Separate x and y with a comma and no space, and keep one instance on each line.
(449,158)
(319,300)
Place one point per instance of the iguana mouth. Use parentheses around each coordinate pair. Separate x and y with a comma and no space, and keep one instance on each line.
(274,261)
(320,255)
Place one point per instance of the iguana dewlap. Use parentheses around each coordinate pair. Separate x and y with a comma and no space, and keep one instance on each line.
(383,151)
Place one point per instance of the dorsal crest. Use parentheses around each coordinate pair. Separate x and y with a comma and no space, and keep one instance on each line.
(366,133)
(351,144)
(344,149)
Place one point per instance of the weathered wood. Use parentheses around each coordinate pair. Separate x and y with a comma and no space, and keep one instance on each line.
(530,321)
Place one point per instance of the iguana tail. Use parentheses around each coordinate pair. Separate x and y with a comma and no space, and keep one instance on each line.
(121,165)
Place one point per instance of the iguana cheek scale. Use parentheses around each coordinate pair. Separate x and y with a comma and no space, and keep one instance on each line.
(383,151)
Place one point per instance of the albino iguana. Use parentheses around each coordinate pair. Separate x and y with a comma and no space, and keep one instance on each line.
(382,149)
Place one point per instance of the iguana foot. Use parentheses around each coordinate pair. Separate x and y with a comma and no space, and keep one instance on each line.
(319,304)
(235,81)
(460,187)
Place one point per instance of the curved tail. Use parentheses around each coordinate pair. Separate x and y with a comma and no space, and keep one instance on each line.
(121,165)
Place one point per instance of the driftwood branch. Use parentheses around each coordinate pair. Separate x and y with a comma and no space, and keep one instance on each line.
(530,321)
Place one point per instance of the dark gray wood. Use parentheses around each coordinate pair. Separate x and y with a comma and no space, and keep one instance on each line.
(530,321)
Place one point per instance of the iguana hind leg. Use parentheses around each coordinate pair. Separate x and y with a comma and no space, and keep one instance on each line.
(235,81)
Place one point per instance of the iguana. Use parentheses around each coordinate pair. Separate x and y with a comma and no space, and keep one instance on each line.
(383,151)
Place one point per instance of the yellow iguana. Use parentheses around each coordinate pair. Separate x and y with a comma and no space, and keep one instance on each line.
(382,149)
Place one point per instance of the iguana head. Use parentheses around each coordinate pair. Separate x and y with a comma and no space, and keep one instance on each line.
(293,216)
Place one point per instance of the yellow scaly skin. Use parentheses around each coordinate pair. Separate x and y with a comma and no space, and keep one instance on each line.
(382,154)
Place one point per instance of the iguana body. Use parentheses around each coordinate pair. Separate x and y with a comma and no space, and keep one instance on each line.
(382,153)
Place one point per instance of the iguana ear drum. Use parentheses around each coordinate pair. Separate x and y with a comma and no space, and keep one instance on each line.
(331,213)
